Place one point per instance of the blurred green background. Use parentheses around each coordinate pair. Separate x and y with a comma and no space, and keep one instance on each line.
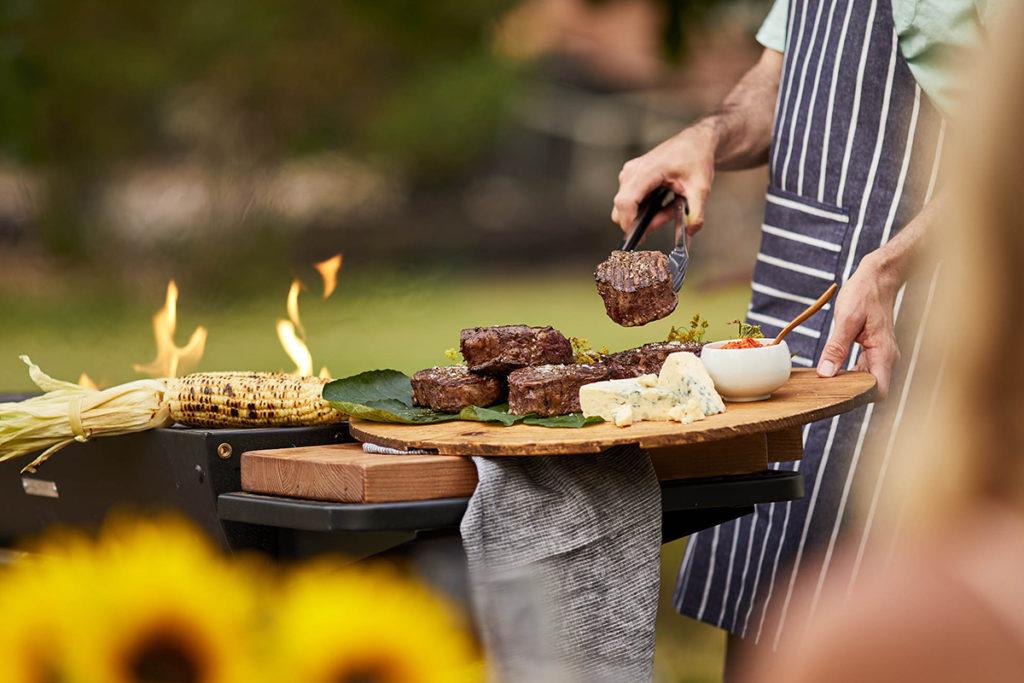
(463,157)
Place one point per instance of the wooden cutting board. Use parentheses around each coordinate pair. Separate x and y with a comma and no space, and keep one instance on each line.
(805,398)
(344,473)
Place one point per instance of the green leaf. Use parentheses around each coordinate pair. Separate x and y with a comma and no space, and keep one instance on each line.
(497,413)
(373,385)
(571,421)
(380,396)
(390,410)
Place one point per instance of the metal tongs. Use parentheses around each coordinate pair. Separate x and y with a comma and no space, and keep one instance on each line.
(650,207)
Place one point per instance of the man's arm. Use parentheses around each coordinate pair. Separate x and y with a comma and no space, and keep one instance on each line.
(736,136)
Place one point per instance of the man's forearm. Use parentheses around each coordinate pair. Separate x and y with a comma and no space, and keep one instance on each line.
(894,259)
(742,126)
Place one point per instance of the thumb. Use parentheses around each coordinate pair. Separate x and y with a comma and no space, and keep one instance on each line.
(837,348)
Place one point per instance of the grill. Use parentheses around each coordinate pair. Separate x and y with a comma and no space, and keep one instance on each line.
(196,473)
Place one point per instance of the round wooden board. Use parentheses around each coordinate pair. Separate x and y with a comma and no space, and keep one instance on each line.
(805,398)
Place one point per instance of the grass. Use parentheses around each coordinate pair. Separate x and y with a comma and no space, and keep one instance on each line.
(374,320)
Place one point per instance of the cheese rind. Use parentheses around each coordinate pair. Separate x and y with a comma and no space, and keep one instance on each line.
(683,392)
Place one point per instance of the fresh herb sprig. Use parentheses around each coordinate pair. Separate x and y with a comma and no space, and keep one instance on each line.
(745,331)
(582,352)
(454,356)
(693,334)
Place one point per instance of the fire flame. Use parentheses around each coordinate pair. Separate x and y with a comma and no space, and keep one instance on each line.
(329,272)
(170,358)
(85,381)
(292,336)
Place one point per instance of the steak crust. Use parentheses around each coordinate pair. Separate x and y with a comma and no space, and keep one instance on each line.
(449,389)
(646,359)
(501,349)
(636,287)
(549,390)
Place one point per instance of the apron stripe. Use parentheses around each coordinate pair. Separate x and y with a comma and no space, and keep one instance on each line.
(870,184)
(796,267)
(793,58)
(797,237)
(827,135)
(736,526)
(812,210)
(800,95)
(855,112)
(814,97)
(711,573)
(776,322)
(779,294)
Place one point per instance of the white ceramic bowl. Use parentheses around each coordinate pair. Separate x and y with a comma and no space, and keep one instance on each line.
(747,374)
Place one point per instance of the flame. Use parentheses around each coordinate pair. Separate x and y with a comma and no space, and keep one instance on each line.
(85,381)
(169,356)
(325,373)
(292,336)
(329,272)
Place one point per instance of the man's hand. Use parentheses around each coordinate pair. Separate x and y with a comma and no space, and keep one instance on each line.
(737,136)
(864,314)
(685,163)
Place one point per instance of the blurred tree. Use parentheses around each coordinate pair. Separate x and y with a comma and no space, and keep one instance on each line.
(91,85)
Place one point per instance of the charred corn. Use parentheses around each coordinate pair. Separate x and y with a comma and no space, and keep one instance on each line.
(249,399)
(67,412)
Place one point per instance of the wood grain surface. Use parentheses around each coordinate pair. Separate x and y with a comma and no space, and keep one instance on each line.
(805,398)
(344,473)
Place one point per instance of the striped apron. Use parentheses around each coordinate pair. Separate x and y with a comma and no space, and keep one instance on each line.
(855,152)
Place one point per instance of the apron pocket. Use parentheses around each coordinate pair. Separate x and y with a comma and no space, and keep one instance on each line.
(801,241)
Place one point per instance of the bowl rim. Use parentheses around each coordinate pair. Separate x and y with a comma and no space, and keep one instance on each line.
(765,343)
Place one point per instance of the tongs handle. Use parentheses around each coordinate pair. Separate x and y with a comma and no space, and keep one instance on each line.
(651,206)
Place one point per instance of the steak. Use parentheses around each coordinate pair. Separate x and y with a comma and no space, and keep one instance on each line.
(449,389)
(500,350)
(636,287)
(646,359)
(548,390)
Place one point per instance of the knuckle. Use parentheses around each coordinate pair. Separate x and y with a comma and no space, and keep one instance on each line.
(834,348)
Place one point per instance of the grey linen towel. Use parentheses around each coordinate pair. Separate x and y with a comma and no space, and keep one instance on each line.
(563,559)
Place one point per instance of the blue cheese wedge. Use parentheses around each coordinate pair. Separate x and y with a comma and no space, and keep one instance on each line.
(683,392)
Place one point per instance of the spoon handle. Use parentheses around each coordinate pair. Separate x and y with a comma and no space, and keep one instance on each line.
(811,310)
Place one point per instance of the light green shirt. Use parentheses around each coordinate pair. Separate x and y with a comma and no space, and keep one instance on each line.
(929,32)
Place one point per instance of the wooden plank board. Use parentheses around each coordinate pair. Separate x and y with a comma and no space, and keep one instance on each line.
(805,398)
(344,473)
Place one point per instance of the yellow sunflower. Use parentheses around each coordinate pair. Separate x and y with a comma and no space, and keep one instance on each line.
(367,625)
(167,609)
(36,593)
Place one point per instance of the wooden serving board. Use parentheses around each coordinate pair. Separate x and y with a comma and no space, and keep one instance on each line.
(805,398)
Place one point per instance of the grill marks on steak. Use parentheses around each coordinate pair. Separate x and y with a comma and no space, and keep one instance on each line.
(646,359)
(636,287)
(549,390)
(501,349)
(449,389)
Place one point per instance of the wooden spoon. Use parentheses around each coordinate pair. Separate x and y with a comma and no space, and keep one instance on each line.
(811,310)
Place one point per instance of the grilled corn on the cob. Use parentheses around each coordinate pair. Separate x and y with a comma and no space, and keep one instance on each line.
(249,399)
(68,412)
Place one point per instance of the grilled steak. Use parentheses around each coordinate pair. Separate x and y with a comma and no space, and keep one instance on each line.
(550,389)
(636,287)
(500,350)
(449,389)
(645,359)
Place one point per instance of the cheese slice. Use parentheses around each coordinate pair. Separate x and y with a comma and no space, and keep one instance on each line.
(683,392)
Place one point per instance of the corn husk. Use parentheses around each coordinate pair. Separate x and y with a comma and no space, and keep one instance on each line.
(68,412)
